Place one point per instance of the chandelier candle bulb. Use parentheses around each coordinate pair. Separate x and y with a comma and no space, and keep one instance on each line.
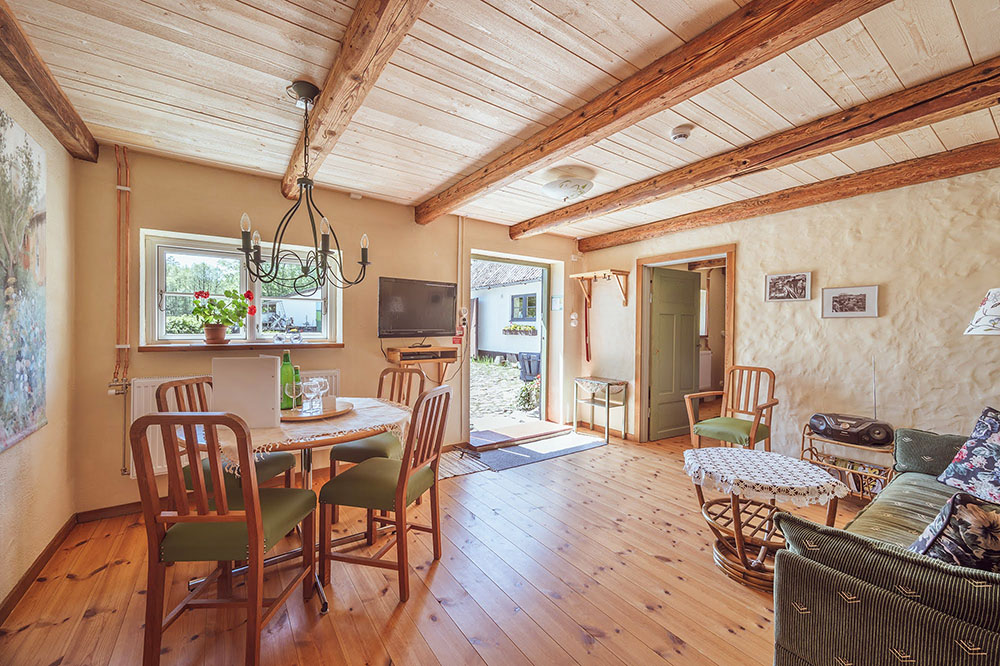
(245,232)
(325,228)
(364,249)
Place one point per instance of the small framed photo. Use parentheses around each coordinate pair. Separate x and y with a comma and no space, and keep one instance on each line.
(788,287)
(850,302)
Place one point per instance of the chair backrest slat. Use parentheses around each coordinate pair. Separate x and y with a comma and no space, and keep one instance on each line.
(745,388)
(399,387)
(425,434)
(210,503)
(183,395)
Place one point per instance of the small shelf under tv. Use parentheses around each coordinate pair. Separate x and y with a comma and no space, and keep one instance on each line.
(442,357)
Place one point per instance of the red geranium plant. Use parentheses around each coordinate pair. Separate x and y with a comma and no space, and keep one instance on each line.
(229,311)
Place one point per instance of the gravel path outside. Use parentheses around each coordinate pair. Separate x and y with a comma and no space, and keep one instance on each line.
(494,391)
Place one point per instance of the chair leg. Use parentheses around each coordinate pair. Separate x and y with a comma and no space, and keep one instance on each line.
(420,500)
(156,576)
(255,611)
(436,521)
(325,535)
(309,554)
(695,441)
(288,477)
(334,469)
(401,563)
(370,526)
(225,586)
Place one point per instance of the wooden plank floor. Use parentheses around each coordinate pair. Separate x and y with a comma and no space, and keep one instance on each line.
(599,557)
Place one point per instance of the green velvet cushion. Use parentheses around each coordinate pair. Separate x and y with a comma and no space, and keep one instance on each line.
(372,485)
(902,510)
(268,466)
(281,510)
(925,452)
(734,431)
(383,445)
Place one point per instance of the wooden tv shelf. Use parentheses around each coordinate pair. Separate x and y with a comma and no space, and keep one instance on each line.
(442,357)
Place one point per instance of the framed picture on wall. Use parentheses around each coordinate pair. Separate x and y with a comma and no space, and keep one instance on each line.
(850,302)
(788,287)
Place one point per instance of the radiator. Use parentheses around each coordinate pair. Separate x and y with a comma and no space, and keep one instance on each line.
(143,394)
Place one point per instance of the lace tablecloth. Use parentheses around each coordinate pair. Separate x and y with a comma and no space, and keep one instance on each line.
(368,414)
(761,475)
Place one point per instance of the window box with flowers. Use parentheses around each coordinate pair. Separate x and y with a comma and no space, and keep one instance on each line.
(519,329)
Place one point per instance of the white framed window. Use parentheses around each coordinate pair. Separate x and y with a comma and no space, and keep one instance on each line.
(175,265)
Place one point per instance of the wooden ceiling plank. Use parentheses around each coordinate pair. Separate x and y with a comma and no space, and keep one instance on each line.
(748,37)
(980,23)
(27,74)
(968,159)
(972,89)
(375,31)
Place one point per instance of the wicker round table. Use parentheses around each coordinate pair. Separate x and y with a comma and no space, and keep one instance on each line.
(743,523)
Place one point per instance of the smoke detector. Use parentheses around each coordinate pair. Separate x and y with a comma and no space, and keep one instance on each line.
(681,133)
(566,183)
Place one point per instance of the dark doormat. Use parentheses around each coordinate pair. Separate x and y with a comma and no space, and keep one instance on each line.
(544,449)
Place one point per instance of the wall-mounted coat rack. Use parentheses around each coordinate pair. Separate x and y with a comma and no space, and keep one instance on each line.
(586,281)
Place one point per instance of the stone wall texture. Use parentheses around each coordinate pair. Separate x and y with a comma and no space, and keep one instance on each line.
(932,249)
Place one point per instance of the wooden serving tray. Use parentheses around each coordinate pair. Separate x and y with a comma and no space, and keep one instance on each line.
(298,414)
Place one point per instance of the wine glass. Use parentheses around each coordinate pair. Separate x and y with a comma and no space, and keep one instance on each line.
(324,388)
(293,390)
(311,389)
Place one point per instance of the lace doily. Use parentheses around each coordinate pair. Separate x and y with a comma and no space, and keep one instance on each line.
(761,475)
(368,414)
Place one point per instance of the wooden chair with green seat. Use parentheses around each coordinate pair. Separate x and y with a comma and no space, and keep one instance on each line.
(747,392)
(388,485)
(214,527)
(191,395)
(395,384)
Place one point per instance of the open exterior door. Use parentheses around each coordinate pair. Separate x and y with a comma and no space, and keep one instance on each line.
(673,345)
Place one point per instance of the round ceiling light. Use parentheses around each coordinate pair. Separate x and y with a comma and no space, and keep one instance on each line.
(568,182)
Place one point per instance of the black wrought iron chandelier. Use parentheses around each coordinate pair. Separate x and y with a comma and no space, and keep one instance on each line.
(319,266)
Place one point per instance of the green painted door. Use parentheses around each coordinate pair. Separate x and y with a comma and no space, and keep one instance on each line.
(673,346)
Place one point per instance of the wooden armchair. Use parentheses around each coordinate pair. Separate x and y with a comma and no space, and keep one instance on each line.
(214,526)
(747,392)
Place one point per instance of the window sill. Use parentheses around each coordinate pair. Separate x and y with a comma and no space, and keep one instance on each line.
(238,345)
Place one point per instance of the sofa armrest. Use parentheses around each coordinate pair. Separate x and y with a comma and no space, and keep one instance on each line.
(824,616)
(925,452)
(970,595)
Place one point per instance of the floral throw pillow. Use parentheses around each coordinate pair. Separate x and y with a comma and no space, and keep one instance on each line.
(975,468)
(965,533)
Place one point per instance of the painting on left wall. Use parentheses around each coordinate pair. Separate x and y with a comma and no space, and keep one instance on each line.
(22,279)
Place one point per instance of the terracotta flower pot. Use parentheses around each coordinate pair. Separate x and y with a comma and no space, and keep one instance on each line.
(215,334)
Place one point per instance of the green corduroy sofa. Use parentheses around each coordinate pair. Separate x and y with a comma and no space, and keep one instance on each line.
(857,597)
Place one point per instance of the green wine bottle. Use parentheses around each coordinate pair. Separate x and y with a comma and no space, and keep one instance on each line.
(286,376)
(298,380)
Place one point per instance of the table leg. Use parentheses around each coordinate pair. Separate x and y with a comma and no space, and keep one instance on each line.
(607,415)
(624,411)
(576,403)
(831,512)
(592,396)
(738,532)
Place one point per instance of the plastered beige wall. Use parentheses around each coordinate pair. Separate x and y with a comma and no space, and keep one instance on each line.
(179,196)
(36,478)
(931,248)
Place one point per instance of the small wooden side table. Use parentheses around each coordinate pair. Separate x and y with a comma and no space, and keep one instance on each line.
(594,386)
(743,523)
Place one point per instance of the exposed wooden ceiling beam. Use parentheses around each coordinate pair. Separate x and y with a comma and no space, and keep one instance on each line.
(968,159)
(25,71)
(373,34)
(707,264)
(757,32)
(971,89)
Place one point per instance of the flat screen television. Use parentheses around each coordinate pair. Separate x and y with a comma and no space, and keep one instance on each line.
(416,308)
